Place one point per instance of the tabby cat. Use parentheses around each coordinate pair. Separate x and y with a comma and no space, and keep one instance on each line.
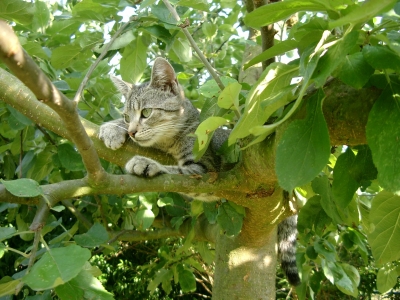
(157,115)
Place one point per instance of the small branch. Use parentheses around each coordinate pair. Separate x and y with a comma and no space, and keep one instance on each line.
(80,217)
(267,34)
(85,80)
(23,66)
(194,45)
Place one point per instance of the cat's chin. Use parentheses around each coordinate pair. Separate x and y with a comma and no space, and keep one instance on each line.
(145,143)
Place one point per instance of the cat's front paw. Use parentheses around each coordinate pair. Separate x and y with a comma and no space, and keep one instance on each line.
(112,135)
(144,166)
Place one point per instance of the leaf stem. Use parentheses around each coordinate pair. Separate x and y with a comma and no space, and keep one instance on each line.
(194,45)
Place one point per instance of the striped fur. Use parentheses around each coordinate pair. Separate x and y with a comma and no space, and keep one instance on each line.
(168,127)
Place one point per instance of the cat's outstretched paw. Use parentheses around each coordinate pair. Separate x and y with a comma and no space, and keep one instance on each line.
(144,166)
(112,136)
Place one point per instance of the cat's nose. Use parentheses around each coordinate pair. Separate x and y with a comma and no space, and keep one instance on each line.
(132,133)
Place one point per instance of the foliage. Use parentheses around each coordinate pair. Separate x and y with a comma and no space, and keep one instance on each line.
(349,219)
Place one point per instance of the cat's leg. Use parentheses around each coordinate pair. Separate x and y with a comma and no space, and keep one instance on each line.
(147,167)
(113,134)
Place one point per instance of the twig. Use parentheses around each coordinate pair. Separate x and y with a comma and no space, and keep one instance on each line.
(98,60)
(81,218)
(194,45)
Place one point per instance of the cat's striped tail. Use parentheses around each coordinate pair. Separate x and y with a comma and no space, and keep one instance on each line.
(287,235)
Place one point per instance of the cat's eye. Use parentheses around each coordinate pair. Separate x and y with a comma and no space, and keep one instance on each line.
(146,112)
(126,118)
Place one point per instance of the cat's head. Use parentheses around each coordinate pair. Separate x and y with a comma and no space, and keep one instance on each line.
(154,111)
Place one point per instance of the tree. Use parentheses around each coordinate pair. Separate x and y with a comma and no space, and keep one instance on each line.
(332,137)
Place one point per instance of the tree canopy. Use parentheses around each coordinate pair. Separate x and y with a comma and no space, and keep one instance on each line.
(310,90)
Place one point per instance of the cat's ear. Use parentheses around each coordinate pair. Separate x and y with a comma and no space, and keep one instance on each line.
(163,77)
(122,86)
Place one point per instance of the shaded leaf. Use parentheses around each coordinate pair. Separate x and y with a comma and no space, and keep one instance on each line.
(83,286)
(95,236)
(304,148)
(383,137)
(385,237)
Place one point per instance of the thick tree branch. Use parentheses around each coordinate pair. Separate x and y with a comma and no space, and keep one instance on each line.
(22,65)
(17,95)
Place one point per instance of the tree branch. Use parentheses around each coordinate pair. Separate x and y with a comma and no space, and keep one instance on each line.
(22,65)
(17,95)
(267,34)
(194,45)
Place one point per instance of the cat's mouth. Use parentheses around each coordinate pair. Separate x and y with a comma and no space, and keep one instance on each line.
(142,141)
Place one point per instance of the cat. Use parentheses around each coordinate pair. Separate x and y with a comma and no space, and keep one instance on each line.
(157,115)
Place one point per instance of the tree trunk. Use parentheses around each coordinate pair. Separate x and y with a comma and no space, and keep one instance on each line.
(243,271)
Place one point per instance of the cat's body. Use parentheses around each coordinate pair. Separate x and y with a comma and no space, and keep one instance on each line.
(157,115)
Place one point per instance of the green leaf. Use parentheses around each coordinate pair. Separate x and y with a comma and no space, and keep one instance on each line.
(187,281)
(385,237)
(120,42)
(35,49)
(325,249)
(83,286)
(363,13)
(165,201)
(344,184)
(211,89)
(355,71)
(209,29)
(57,266)
(386,279)
(274,12)
(211,211)
(160,32)
(64,27)
(304,148)
(18,11)
(321,186)
(348,280)
(334,57)
(277,49)
(41,18)
(42,167)
(196,4)
(6,232)
(162,13)
(312,215)
(229,97)
(182,49)
(87,10)
(229,219)
(382,136)
(161,276)
(65,56)
(69,157)
(8,286)
(144,218)
(381,57)
(267,95)
(23,187)
(204,134)
(206,253)
(133,61)
(95,236)
(179,207)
